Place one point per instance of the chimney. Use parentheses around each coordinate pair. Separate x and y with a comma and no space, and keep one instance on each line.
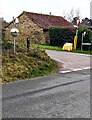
(49,13)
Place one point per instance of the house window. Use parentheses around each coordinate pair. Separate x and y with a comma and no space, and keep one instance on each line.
(45,30)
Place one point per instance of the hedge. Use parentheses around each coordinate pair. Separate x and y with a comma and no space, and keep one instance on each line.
(59,36)
(86,39)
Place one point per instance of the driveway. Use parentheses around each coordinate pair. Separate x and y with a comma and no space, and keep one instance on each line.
(70,61)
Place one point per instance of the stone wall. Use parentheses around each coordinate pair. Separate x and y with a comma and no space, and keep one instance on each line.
(27,27)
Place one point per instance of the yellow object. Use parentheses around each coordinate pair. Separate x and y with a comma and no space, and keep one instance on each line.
(67,46)
(75,42)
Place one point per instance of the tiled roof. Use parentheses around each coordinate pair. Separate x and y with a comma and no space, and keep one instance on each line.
(46,21)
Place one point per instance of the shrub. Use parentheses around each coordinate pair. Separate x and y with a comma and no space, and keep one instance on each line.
(86,39)
(59,36)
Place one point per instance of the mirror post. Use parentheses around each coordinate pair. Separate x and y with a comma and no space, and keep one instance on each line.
(14,31)
(14,44)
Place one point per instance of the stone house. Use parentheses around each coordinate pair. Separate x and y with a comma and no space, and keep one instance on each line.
(36,26)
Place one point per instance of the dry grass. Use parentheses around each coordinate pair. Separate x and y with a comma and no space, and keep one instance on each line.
(26,64)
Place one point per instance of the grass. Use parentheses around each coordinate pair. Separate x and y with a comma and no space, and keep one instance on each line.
(29,64)
(47,47)
(60,48)
(23,65)
(83,51)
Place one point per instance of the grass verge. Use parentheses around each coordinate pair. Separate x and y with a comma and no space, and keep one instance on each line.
(26,65)
(47,47)
(60,48)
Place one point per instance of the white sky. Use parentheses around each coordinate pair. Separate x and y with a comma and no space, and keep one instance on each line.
(10,8)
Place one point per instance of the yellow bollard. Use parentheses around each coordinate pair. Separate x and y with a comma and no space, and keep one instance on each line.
(75,42)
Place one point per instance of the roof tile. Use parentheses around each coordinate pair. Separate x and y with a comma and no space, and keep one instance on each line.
(47,21)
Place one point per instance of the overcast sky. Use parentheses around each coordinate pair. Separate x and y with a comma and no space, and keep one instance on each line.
(10,8)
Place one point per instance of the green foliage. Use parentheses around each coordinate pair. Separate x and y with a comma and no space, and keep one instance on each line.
(60,48)
(59,36)
(3,35)
(82,51)
(8,45)
(47,47)
(26,64)
(5,43)
(86,39)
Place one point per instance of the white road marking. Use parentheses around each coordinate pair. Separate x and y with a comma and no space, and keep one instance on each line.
(73,70)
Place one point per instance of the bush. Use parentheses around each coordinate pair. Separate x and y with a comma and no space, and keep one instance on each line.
(86,39)
(59,36)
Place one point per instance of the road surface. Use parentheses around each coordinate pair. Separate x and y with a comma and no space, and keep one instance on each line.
(71,61)
(54,96)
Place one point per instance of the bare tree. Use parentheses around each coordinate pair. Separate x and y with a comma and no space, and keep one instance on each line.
(77,13)
(70,15)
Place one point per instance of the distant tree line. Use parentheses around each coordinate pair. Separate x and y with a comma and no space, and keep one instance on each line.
(87,21)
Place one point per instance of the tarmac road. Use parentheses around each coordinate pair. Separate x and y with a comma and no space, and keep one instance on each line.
(55,96)
(71,61)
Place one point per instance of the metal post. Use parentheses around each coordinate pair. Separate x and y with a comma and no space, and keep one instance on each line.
(14,37)
(76,33)
(14,44)
(82,41)
(14,31)
(13,20)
